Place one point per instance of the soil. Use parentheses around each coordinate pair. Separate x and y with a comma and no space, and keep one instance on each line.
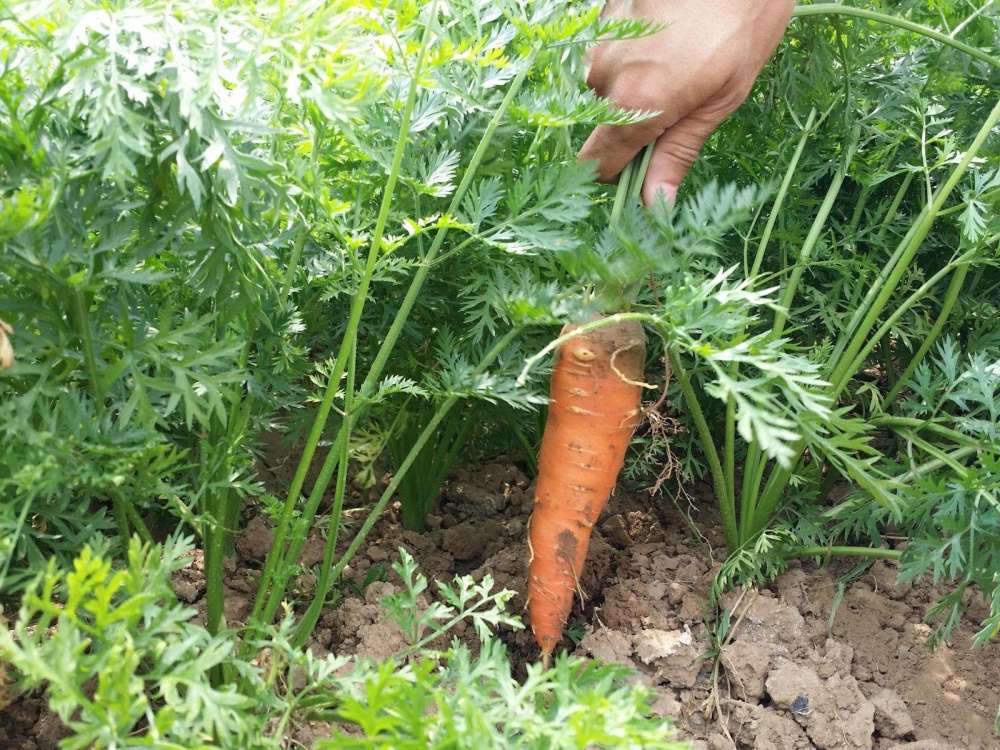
(818,659)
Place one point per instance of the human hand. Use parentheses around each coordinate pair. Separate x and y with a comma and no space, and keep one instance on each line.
(695,72)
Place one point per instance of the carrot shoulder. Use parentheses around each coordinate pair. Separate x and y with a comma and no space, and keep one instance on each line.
(595,404)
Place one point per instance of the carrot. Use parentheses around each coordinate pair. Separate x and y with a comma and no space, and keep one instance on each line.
(595,404)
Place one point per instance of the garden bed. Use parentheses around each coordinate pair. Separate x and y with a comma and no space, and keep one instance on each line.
(866,673)
(804,665)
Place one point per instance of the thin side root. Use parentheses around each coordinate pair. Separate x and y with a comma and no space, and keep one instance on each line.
(531,550)
(667,372)
(576,584)
(621,375)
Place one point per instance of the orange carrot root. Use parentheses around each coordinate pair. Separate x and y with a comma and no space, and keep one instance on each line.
(595,400)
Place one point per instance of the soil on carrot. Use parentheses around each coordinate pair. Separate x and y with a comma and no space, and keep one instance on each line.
(819,659)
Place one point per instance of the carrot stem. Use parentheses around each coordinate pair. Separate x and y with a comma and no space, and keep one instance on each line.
(831,9)
(727,510)
(397,478)
(730,429)
(354,318)
(265,606)
(950,298)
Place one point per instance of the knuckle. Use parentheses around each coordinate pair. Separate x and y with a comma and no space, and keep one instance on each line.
(639,134)
(642,99)
(636,89)
(682,150)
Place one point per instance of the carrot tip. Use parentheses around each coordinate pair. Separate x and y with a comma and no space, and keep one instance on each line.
(546,659)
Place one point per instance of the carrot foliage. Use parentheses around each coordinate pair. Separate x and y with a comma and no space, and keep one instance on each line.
(290,260)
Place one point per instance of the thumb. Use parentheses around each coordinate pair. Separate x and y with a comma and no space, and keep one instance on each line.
(674,153)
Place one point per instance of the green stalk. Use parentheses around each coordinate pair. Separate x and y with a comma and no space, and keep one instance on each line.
(932,450)
(729,454)
(214,554)
(870,296)
(859,309)
(916,425)
(308,622)
(222,507)
(621,193)
(136,522)
(89,354)
(893,209)
(639,175)
(13,539)
(872,553)
(935,464)
(121,517)
(730,430)
(754,464)
(805,254)
(768,499)
(293,265)
(950,298)
(859,209)
(911,243)
(385,350)
(418,445)
(350,334)
(883,331)
(882,291)
(726,509)
(779,200)
(831,9)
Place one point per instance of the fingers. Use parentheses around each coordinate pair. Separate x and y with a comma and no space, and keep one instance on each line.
(674,153)
(614,146)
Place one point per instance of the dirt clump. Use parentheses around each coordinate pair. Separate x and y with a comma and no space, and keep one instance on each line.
(615,530)
(608,645)
(892,717)
(747,664)
(362,627)
(673,655)
(486,490)
(256,539)
(188,583)
(754,726)
(834,712)
(472,540)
